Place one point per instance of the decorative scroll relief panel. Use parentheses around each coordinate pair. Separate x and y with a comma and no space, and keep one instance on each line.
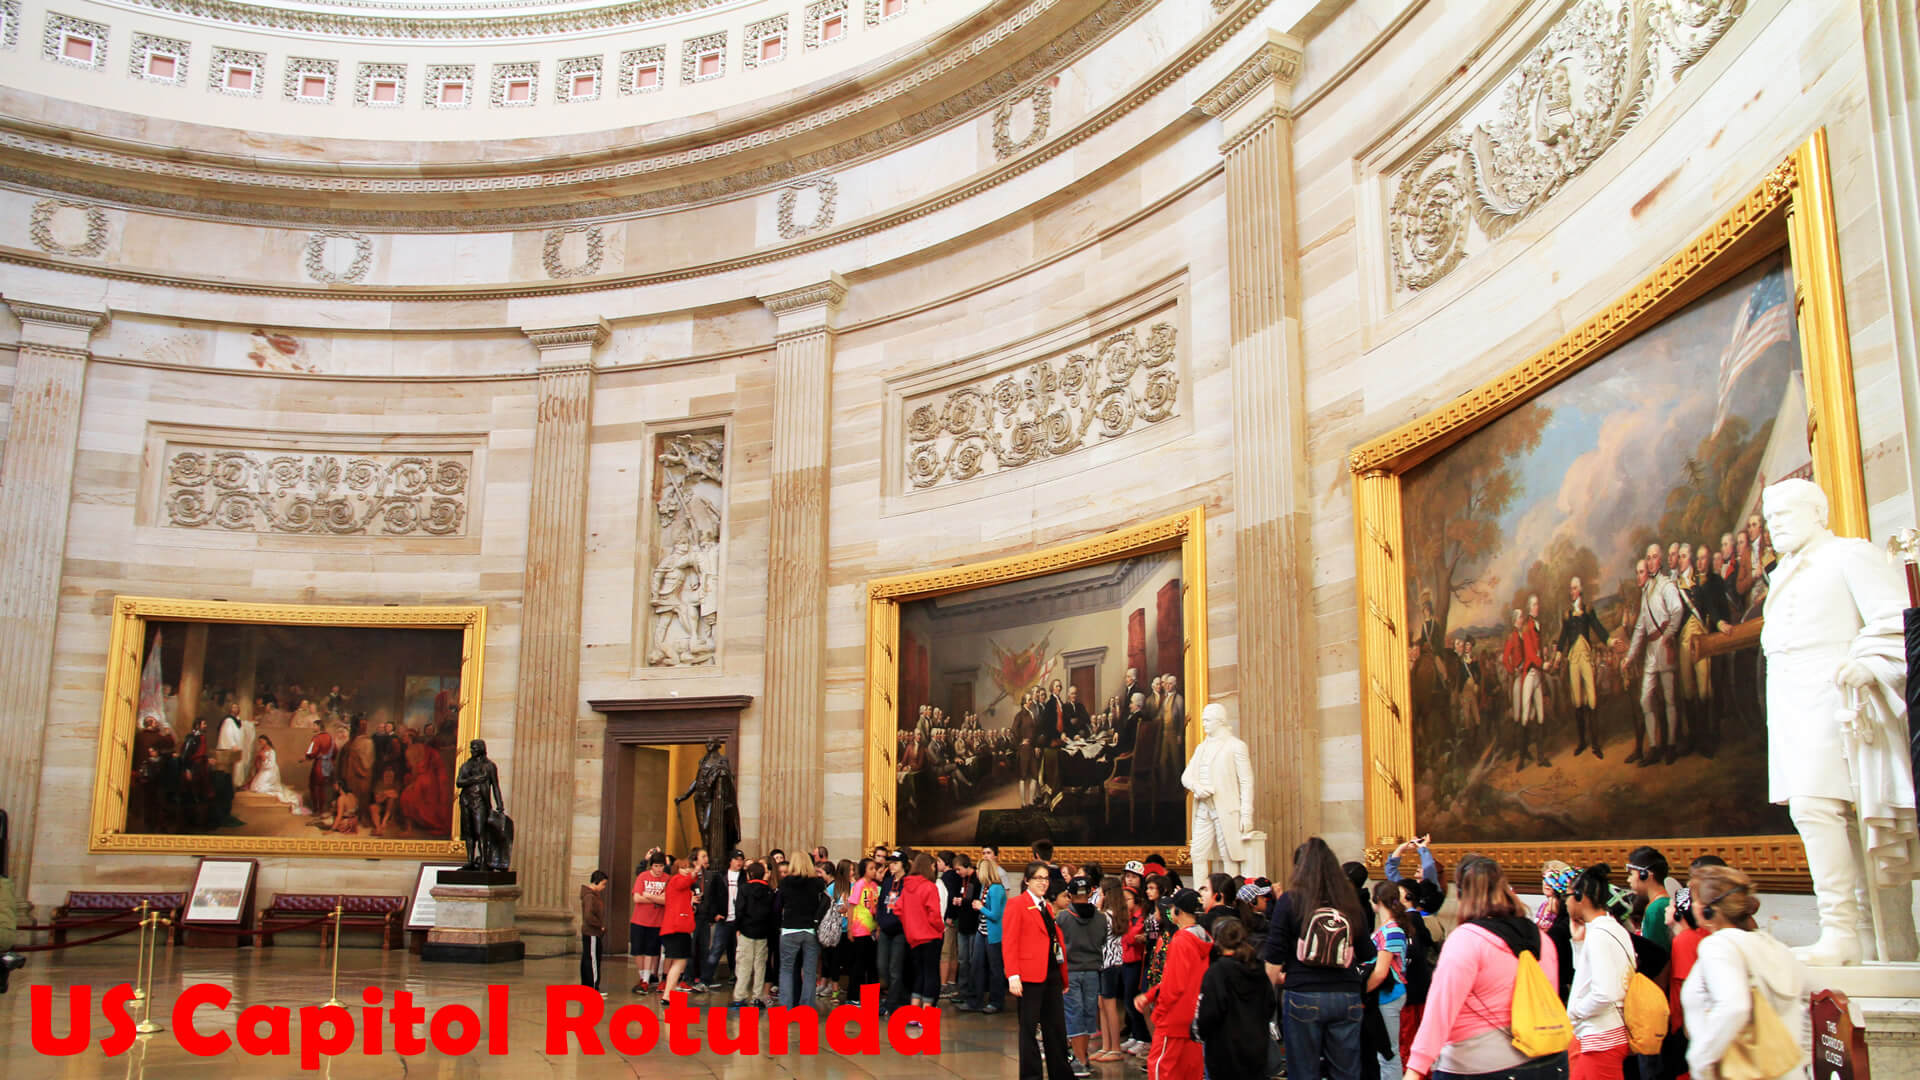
(348,492)
(689,500)
(1600,68)
(1119,382)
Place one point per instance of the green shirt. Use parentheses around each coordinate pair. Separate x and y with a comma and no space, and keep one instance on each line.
(1653,925)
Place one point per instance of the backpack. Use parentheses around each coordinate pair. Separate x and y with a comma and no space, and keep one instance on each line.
(1647,1012)
(1540,1023)
(1326,940)
(834,922)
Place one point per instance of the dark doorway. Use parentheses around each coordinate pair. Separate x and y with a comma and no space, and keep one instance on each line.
(631,770)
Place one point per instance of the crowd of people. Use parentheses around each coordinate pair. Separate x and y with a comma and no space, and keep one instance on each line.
(1334,977)
(1541,678)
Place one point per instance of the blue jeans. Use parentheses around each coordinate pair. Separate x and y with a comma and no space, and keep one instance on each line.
(1316,1022)
(719,947)
(964,946)
(988,985)
(1083,1003)
(893,969)
(799,967)
(1132,1024)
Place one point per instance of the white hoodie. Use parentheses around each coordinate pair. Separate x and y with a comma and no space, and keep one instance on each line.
(1602,964)
(1717,996)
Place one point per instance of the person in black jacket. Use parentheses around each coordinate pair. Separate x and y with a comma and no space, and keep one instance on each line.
(963,924)
(719,897)
(1236,1000)
(891,950)
(802,902)
(755,923)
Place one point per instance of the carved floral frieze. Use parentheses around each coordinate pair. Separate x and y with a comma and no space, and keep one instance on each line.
(1112,386)
(1591,78)
(316,493)
(683,589)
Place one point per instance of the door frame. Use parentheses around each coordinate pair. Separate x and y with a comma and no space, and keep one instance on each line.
(636,722)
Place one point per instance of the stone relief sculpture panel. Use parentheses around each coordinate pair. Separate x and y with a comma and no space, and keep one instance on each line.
(1116,384)
(1597,71)
(316,493)
(683,588)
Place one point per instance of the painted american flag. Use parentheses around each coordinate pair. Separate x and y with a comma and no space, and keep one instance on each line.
(1766,319)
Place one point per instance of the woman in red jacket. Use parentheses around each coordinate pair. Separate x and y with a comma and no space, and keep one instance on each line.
(1133,967)
(923,923)
(1035,955)
(1171,1001)
(676,926)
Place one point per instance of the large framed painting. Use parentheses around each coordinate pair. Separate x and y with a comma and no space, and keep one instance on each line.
(1051,695)
(281,729)
(1506,542)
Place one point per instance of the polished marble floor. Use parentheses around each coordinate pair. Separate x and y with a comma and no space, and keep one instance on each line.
(971,1046)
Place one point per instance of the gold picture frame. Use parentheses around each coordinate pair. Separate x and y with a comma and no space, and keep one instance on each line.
(1791,207)
(1185,531)
(114,756)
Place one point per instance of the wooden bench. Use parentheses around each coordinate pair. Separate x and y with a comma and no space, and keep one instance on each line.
(378,912)
(125,906)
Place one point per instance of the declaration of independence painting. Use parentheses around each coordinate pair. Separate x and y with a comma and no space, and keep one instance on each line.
(286,731)
(1051,707)
(1584,580)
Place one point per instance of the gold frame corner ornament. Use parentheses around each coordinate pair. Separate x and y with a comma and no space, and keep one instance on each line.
(1185,531)
(1792,207)
(120,703)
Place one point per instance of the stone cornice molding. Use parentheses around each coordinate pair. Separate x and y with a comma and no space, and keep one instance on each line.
(45,160)
(1258,91)
(566,340)
(422,26)
(58,318)
(828,294)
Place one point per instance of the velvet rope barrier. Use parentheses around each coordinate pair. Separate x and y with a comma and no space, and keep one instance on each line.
(69,924)
(76,944)
(234,932)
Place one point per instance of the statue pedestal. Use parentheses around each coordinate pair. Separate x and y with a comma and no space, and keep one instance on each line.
(1870,980)
(473,918)
(1255,865)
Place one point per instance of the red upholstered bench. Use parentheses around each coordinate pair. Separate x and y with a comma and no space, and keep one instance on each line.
(385,913)
(382,913)
(288,908)
(126,905)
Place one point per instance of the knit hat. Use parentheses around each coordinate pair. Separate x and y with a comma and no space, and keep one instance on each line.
(1683,900)
(1557,876)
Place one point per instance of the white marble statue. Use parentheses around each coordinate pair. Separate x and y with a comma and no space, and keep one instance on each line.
(1220,775)
(1836,721)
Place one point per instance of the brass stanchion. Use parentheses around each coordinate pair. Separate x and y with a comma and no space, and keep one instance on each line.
(146,1026)
(334,1000)
(140,956)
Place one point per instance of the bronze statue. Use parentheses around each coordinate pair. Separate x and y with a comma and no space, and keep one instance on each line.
(715,803)
(484,823)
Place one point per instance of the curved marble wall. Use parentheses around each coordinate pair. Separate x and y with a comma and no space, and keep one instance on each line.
(1032,218)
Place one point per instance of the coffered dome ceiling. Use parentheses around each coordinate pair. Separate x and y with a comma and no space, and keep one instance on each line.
(439,115)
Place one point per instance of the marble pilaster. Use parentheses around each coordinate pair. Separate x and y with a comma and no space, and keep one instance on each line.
(547,702)
(794,760)
(1891,32)
(36,488)
(1270,494)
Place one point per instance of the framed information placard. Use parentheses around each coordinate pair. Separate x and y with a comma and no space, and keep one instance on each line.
(222,895)
(420,913)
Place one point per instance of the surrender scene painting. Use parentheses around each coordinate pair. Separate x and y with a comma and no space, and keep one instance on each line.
(1584,580)
(1050,707)
(327,732)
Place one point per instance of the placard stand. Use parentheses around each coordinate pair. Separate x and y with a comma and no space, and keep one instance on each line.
(422,906)
(222,896)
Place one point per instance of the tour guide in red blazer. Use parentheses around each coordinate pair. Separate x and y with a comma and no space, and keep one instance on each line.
(1035,952)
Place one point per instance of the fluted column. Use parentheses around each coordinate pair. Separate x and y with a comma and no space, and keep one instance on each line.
(793,748)
(1891,32)
(547,701)
(1278,705)
(36,488)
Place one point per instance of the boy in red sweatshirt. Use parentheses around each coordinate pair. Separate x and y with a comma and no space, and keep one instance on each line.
(1170,1003)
